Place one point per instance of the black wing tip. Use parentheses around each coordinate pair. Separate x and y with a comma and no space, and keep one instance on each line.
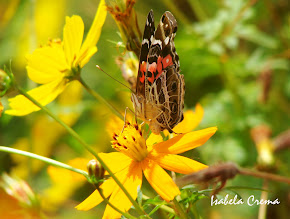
(150,15)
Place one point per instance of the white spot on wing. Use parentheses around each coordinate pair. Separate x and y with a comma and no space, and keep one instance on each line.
(157,42)
(166,40)
(145,41)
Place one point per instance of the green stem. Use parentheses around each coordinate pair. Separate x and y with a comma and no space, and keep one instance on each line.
(264,196)
(115,208)
(177,13)
(163,207)
(85,145)
(194,211)
(44,159)
(179,209)
(100,98)
(200,13)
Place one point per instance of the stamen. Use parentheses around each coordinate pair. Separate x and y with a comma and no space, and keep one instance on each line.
(130,142)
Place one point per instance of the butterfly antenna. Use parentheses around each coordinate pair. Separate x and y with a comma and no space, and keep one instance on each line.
(115,79)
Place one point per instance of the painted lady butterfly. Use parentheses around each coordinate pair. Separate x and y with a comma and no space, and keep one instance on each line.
(159,97)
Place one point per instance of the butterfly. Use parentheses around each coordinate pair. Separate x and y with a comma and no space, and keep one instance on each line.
(159,96)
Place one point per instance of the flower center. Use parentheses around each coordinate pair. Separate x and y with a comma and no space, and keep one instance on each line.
(131,142)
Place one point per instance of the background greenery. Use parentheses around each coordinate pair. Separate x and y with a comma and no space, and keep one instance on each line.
(229,51)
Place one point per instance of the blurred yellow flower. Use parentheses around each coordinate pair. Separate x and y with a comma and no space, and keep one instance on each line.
(64,182)
(58,63)
(45,132)
(136,156)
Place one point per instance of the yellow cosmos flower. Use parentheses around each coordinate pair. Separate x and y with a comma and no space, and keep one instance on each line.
(137,156)
(56,64)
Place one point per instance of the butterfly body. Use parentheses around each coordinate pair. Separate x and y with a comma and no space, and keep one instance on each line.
(159,97)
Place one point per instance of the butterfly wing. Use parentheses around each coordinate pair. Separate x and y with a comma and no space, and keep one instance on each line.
(163,74)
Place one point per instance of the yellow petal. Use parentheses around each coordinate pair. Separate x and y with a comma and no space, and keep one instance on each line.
(46,64)
(44,94)
(89,45)
(115,160)
(159,180)
(108,187)
(118,198)
(184,142)
(95,198)
(85,58)
(72,38)
(72,95)
(153,139)
(177,163)
(190,121)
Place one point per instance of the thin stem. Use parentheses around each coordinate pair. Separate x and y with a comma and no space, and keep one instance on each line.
(194,211)
(172,6)
(179,209)
(85,145)
(264,196)
(44,159)
(200,13)
(100,98)
(115,208)
(264,175)
(163,207)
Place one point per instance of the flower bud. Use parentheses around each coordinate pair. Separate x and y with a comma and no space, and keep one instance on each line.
(19,190)
(126,19)
(5,82)
(96,171)
(261,135)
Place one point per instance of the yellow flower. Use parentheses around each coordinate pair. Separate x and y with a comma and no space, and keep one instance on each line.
(137,156)
(56,64)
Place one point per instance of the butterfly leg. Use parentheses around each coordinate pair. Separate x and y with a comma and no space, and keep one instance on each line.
(127,108)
